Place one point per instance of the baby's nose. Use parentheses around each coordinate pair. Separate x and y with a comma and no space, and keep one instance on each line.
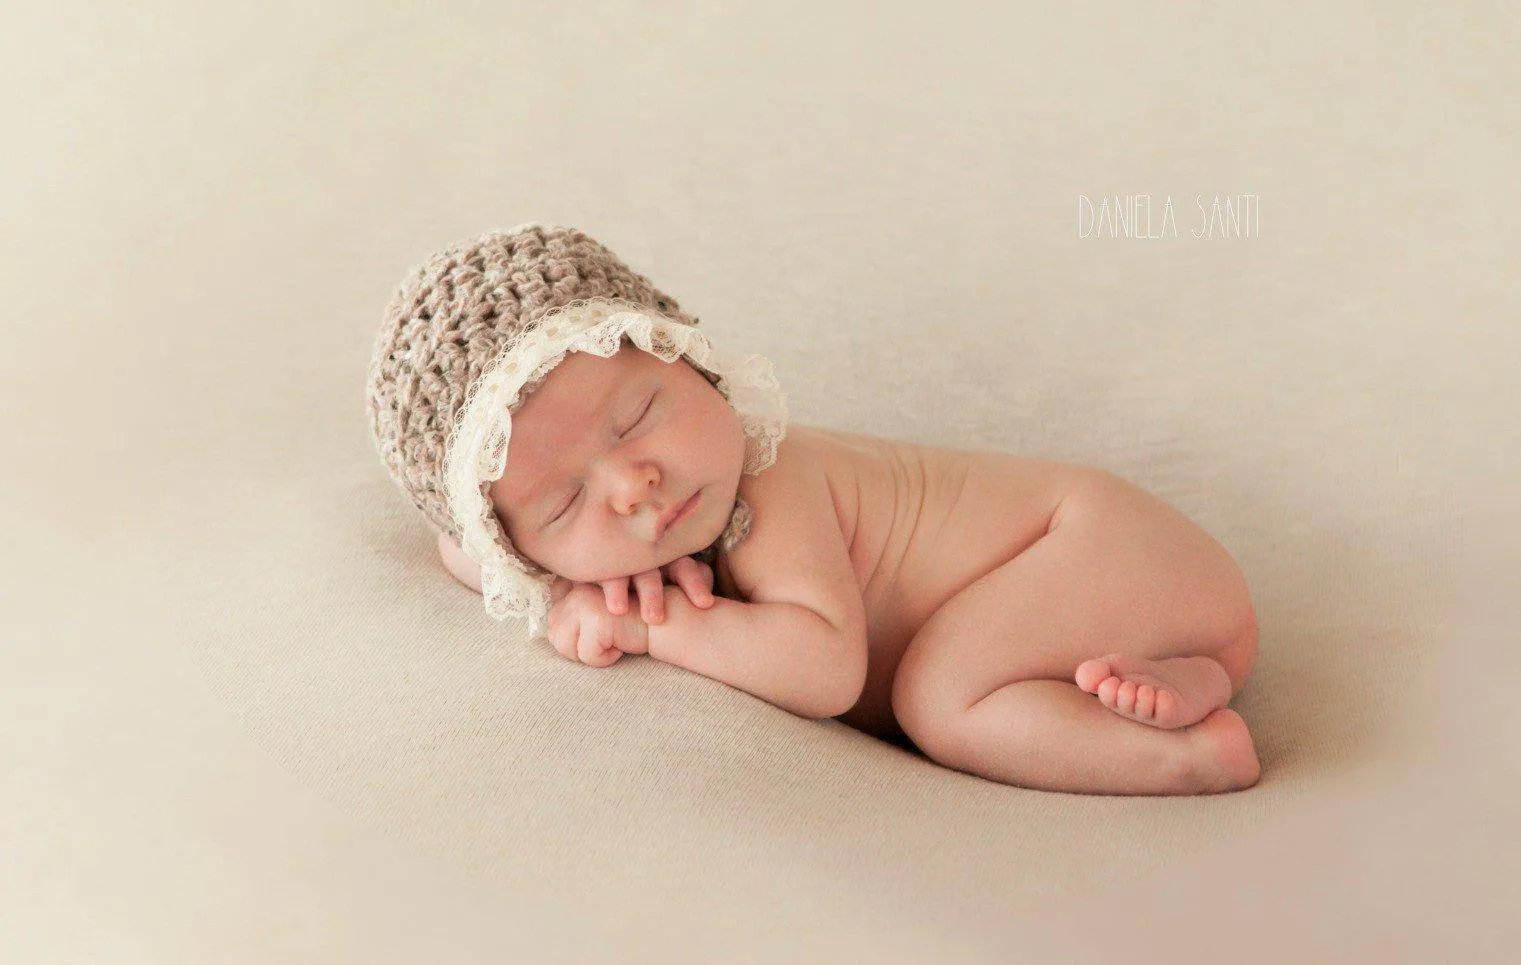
(634,487)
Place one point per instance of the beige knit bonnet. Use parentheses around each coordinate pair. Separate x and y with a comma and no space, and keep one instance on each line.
(474,329)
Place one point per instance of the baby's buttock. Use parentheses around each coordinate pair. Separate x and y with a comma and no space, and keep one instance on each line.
(923,522)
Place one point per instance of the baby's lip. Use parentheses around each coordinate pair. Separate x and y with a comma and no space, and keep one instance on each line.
(664,522)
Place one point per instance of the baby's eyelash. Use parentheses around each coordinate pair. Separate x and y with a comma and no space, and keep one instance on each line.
(646,412)
(568,505)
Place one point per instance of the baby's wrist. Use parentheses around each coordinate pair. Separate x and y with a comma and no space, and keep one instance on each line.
(667,637)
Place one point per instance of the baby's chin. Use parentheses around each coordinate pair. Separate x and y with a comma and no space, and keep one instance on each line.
(661,560)
(670,556)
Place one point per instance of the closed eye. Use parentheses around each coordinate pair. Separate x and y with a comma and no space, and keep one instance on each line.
(648,406)
(556,517)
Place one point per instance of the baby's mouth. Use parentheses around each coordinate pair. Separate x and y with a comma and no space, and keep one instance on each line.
(684,510)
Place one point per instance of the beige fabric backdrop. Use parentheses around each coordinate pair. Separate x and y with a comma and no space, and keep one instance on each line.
(245,716)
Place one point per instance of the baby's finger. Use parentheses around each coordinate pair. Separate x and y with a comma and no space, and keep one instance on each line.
(562,637)
(589,646)
(616,594)
(695,579)
(651,590)
(605,658)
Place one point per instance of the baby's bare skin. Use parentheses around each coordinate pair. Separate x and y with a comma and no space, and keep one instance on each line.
(975,583)
(1034,622)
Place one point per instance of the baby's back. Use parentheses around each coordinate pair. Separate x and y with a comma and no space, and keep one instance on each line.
(922,522)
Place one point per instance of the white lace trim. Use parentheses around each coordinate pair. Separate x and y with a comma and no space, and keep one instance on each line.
(476,452)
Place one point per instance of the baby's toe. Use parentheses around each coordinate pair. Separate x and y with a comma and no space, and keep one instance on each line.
(1145,701)
(1091,673)
(1165,705)
(1107,690)
(1125,699)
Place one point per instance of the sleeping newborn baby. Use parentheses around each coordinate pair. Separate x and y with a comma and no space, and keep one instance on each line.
(1033,622)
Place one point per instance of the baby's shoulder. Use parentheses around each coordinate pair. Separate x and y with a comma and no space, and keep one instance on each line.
(794,525)
(798,474)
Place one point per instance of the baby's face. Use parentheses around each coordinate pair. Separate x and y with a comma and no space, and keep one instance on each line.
(602,449)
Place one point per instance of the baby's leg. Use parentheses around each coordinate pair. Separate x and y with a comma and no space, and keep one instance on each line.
(988,684)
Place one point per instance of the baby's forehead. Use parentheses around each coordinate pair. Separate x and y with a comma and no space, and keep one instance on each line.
(568,385)
(572,401)
(585,373)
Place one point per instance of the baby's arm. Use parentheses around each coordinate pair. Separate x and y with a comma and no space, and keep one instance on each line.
(459,565)
(785,654)
(800,643)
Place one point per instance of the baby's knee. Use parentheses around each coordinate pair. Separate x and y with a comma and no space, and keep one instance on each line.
(1238,657)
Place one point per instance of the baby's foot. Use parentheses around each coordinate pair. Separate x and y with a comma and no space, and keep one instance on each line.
(1170,693)
(1226,759)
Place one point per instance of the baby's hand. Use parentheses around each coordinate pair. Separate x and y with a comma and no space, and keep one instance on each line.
(580,627)
(590,622)
(694,577)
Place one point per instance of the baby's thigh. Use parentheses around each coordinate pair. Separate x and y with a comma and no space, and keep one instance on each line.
(1118,570)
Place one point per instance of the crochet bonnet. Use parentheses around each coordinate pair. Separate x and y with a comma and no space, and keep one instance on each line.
(467,337)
